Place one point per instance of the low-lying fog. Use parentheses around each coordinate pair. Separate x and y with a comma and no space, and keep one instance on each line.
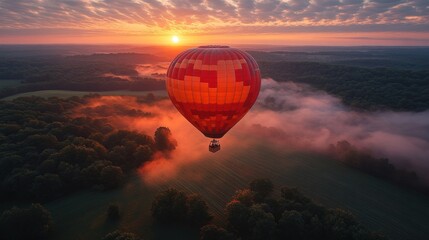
(286,116)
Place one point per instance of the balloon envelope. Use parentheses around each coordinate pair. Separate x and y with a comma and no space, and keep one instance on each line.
(213,87)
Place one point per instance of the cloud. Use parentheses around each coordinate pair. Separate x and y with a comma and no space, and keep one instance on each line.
(198,16)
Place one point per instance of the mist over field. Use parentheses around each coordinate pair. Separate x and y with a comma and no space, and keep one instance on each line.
(299,116)
(156,70)
(287,115)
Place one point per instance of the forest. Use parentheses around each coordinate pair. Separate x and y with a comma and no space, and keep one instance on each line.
(48,153)
(365,89)
(404,58)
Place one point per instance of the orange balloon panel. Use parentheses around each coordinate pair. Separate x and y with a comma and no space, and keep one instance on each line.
(213,87)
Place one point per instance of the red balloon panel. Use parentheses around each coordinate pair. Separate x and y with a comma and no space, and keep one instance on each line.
(213,87)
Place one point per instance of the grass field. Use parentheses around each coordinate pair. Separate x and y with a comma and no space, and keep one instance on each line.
(380,205)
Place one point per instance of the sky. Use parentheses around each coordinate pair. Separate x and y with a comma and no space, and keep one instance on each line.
(275,22)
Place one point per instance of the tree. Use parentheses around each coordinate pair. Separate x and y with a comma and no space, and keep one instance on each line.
(142,154)
(41,142)
(16,184)
(237,215)
(250,222)
(197,214)
(120,235)
(341,224)
(47,186)
(169,206)
(48,166)
(262,188)
(91,174)
(118,155)
(245,196)
(262,224)
(291,225)
(34,222)
(8,163)
(213,232)
(111,176)
(76,155)
(292,194)
(113,212)
(164,140)
(176,207)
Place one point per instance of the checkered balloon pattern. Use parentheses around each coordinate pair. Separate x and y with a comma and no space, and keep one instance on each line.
(213,87)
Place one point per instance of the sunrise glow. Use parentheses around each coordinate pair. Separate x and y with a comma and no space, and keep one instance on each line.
(175,39)
(286,22)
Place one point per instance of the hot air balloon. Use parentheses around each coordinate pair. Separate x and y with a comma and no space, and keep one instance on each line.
(213,87)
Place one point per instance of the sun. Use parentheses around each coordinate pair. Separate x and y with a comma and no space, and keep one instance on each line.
(175,39)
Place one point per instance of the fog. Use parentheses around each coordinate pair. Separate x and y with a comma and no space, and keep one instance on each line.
(156,71)
(311,119)
(286,116)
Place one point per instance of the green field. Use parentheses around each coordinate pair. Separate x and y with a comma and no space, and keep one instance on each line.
(66,93)
(381,206)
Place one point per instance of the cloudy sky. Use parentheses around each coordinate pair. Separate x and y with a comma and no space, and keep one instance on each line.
(289,22)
